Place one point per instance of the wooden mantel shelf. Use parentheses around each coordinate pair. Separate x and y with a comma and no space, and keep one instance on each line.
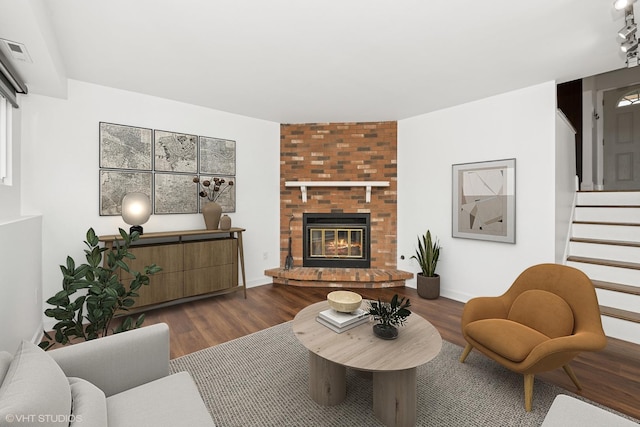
(305,184)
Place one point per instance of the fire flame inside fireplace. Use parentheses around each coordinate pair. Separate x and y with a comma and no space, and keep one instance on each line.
(343,248)
(334,243)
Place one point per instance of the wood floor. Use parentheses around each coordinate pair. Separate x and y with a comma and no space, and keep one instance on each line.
(610,377)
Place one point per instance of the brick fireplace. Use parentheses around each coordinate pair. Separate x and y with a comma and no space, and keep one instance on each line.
(356,152)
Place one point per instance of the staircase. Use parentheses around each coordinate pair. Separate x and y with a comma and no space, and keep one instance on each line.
(605,244)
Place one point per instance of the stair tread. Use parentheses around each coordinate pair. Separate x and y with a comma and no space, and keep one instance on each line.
(629,224)
(606,242)
(606,262)
(617,287)
(608,191)
(608,203)
(631,316)
(608,206)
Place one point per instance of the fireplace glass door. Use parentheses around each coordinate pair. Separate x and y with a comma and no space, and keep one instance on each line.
(335,243)
(338,240)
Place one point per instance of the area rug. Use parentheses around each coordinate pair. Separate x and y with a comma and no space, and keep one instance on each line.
(262,380)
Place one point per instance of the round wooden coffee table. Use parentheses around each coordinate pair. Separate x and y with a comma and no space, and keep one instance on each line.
(393,363)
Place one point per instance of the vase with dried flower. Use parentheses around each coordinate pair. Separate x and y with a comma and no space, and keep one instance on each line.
(212,189)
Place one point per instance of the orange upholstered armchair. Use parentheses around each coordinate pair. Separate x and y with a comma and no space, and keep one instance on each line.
(548,316)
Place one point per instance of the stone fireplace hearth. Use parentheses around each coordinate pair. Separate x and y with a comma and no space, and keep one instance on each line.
(339,277)
(339,152)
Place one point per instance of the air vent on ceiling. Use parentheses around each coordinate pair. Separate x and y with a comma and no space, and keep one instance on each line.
(17,50)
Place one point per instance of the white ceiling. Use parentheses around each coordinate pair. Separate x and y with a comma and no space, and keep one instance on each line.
(295,61)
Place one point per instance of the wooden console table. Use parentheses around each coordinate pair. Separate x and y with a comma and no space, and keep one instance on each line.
(195,263)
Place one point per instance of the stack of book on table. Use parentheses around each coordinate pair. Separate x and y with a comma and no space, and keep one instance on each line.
(340,322)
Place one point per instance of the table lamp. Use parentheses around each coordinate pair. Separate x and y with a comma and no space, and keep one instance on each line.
(136,210)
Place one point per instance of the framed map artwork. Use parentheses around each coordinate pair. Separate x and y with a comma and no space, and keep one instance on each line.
(175,152)
(217,156)
(115,184)
(175,194)
(125,147)
(162,165)
(226,198)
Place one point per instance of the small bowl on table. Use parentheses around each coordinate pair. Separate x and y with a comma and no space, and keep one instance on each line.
(344,301)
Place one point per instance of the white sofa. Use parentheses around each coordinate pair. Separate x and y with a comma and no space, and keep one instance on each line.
(118,380)
(567,411)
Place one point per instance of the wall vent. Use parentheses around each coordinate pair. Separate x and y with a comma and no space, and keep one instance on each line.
(17,50)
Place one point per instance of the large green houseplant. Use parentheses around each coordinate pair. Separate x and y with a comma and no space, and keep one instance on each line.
(101,293)
(427,255)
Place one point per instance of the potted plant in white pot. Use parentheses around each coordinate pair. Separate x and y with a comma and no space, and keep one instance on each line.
(427,254)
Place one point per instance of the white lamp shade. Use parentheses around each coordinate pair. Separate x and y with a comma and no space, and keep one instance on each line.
(622,4)
(136,208)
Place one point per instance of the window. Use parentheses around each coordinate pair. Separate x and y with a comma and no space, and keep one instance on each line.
(10,85)
(5,141)
(630,98)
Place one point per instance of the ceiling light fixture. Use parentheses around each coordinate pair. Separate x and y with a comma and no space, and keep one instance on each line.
(622,4)
(629,45)
(627,31)
(628,34)
(630,28)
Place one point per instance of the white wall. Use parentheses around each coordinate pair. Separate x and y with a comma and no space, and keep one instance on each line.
(20,287)
(566,183)
(20,259)
(518,124)
(60,171)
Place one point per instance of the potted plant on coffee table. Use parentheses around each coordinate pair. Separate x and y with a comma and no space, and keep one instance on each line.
(427,254)
(389,316)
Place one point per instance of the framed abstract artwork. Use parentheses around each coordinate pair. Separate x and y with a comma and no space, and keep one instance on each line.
(484,200)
